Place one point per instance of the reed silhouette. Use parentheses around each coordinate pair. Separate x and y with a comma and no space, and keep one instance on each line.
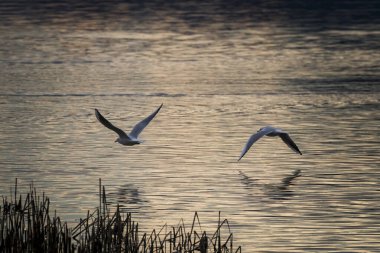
(26,225)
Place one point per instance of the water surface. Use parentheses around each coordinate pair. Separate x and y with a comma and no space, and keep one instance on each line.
(222,72)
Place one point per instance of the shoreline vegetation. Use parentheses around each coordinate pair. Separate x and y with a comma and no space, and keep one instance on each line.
(27,225)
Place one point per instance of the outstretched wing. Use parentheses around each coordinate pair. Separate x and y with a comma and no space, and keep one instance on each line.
(254,138)
(108,124)
(288,141)
(137,129)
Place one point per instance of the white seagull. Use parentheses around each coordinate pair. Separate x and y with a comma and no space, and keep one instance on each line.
(269,131)
(131,138)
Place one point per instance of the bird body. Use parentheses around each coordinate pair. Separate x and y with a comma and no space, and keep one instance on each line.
(124,138)
(270,131)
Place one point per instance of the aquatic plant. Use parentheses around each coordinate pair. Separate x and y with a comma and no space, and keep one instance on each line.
(27,226)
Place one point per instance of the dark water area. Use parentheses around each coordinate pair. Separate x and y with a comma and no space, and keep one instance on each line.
(323,14)
(222,69)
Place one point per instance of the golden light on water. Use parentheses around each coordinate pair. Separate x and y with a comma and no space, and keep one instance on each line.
(221,76)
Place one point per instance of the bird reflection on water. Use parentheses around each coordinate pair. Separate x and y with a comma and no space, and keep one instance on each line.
(276,191)
(127,196)
(246,180)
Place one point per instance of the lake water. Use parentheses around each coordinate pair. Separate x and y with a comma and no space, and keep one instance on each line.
(222,71)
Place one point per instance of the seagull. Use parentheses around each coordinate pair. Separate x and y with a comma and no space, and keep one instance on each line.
(269,131)
(131,138)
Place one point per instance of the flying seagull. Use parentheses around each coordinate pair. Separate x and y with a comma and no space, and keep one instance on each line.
(131,138)
(270,131)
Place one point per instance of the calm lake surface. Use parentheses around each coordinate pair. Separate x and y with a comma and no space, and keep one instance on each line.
(222,71)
